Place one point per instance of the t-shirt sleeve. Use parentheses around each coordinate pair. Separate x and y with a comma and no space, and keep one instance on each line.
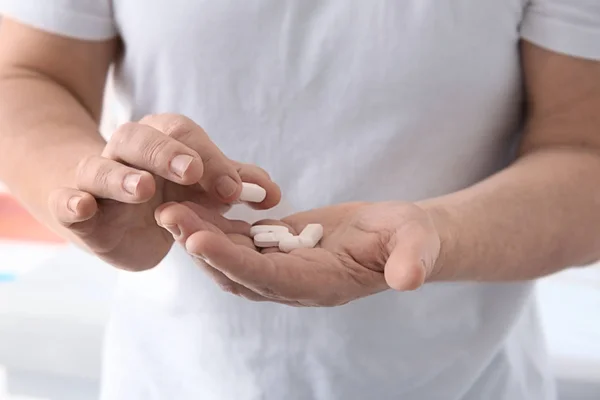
(81,19)
(571,27)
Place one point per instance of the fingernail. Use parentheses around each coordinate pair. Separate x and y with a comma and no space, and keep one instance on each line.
(173,229)
(180,164)
(226,186)
(130,183)
(73,203)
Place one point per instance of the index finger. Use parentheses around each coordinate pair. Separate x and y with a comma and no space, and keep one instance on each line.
(275,275)
(220,177)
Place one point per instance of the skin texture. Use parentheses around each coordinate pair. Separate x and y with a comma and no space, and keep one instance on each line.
(347,264)
(102,195)
(49,111)
(160,159)
(538,216)
(542,214)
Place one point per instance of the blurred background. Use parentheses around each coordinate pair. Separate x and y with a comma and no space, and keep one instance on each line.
(55,301)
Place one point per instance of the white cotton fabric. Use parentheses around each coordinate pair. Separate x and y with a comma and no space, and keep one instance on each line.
(338,101)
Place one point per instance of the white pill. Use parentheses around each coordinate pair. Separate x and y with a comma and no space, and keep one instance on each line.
(290,243)
(252,193)
(311,235)
(283,235)
(266,239)
(255,230)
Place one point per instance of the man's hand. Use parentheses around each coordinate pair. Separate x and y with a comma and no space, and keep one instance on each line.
(160,159)
(366,248)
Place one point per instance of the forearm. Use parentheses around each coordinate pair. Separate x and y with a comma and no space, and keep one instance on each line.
(540,215)
(44,133)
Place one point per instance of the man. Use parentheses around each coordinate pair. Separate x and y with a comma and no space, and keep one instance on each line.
(447,146)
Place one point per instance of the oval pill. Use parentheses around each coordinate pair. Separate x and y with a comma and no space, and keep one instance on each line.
(266,239)
(256,229)
(311,235)
(283,235)
(252,193)
(290,243)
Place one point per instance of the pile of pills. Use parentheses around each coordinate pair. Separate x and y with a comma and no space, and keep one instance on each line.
(276,235)
(279,236)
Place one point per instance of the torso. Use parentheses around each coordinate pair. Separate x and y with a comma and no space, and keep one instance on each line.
(338,101)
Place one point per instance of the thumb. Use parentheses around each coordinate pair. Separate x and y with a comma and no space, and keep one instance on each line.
(412,258)
(74,210)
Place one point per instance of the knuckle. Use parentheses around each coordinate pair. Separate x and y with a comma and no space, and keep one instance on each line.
(85,168)
(149,119)
(123,136)
(101,178)
(154,152)
(93,173)
(383,246)
(124,133)
(178,126)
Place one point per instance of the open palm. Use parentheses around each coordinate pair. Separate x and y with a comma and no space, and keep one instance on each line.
(365,246)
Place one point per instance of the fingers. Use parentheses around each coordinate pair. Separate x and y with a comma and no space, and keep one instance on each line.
(151,150)
(239,263)
(282,278)
(253,174)
(225,225)
(182,222)
(187,218)
(220,176)
(226,284)
(304,278)
(71,206)
(175,148)
(109,179)
(241,240)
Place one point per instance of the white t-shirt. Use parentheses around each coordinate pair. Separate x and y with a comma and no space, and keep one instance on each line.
(339,101)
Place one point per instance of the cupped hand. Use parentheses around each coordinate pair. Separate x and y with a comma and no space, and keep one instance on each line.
(110,206)
(366,248)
